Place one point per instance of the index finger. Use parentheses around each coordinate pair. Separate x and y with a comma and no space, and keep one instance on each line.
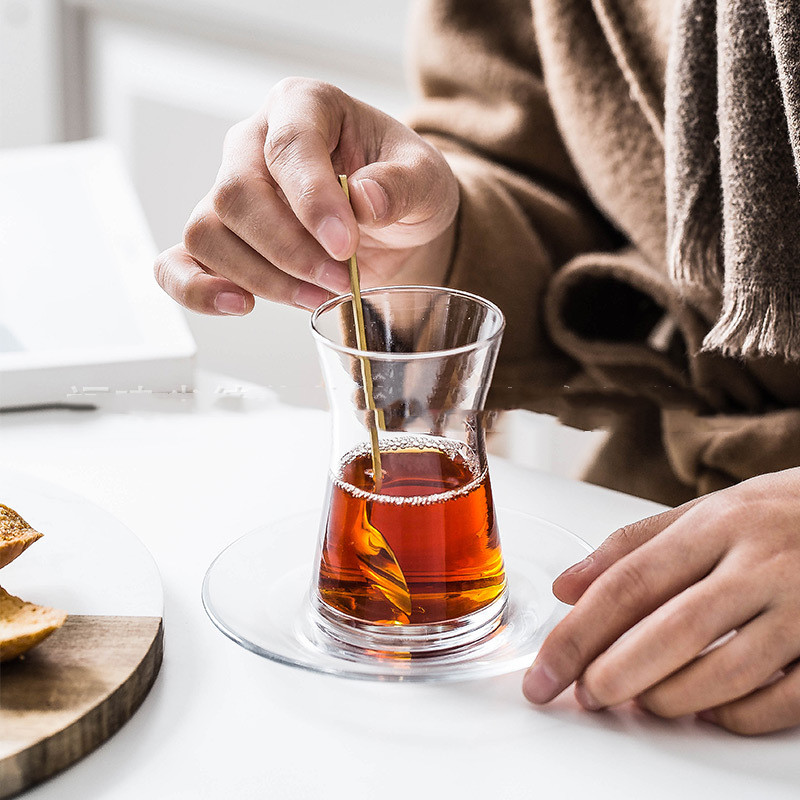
(573,582)
(623,595)
(304,125)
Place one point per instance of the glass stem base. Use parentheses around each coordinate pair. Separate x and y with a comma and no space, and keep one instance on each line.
(339,631)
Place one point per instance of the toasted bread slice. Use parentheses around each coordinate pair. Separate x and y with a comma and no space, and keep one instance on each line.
(15,535)
(23,625)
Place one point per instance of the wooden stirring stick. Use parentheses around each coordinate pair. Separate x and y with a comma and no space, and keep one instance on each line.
(373,413)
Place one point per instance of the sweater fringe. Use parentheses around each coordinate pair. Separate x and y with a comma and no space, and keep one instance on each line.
(695,236)
(757,321)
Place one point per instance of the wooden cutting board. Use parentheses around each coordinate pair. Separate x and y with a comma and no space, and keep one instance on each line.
(75,689)
(72,692)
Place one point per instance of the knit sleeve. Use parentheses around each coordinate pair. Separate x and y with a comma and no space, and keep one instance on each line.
(523,211)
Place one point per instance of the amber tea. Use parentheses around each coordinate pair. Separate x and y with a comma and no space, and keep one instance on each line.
(424,549)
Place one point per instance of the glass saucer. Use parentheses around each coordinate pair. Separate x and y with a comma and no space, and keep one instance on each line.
(257,592)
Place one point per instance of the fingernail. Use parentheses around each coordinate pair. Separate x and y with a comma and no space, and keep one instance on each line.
(539,684)
(586,698)
(230,303)
(309,296)
(576,568)
(333,235)
(376,197)
(333,276)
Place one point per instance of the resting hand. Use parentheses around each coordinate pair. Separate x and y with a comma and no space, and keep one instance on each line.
(652,598)
(277,225)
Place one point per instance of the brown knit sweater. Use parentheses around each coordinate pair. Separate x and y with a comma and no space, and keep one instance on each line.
(551,113)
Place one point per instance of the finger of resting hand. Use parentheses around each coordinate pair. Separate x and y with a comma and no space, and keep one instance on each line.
(224,253)
(624,594)
(573,582)
(772,708)
(183,279)
(736,668)
(669,638)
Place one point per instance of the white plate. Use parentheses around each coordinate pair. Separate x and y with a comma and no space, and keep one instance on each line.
(257,593)
(87,562)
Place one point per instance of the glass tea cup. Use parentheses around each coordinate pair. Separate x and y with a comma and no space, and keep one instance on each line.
(408,560)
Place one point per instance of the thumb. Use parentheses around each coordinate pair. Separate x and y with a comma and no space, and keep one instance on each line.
(422,195)
(570,585)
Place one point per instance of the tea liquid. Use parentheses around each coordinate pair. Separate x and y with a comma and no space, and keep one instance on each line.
(424,550)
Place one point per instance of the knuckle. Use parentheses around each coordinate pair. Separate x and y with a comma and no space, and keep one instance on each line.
(280,147)
(730,511)
(160,270)
(227,195)
(293,85)
(322,90)
(166,273)
(307,196)
(625,539)
(633,533)
(628,585)
(236,132)
(287,86)
(183,285)
(168,276)
(197,232)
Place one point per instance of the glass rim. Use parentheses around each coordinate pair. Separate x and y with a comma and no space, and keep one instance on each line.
(484,341)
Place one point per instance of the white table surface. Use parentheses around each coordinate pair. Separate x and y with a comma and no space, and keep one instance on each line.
(188,475)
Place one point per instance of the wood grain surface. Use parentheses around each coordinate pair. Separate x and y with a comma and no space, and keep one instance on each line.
(72,692)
